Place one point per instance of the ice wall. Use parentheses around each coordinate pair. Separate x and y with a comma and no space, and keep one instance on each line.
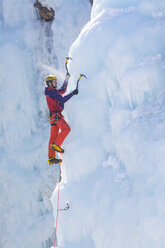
(24,213)
(114,159)
(27,54)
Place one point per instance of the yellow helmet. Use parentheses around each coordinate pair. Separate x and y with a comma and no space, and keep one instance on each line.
(50,77)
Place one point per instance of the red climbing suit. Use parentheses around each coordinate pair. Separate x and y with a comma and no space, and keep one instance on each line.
(55,102)
(56,136)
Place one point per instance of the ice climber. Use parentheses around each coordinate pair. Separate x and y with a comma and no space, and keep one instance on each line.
(59,127)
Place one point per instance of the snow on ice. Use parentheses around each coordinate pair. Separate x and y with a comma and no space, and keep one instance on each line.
(113,166)
(114,160)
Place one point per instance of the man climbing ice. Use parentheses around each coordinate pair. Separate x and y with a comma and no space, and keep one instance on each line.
(59,127)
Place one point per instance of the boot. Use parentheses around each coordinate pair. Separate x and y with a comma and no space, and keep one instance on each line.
(53,160)
(56,148)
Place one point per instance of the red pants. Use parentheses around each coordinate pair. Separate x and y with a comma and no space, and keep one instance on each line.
(56,136)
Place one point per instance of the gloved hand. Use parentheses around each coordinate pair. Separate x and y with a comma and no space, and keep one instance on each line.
(67,76)
(75,92)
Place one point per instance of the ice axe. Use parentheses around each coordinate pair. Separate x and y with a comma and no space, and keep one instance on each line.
(81,75)
(66,62)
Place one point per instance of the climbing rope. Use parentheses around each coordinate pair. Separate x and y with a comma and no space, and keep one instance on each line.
(58,200)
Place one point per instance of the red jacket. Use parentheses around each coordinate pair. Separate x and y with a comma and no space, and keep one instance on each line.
(54,97)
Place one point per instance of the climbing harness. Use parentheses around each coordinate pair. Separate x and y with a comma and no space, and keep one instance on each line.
(66,63)
(54,116)
(81,75)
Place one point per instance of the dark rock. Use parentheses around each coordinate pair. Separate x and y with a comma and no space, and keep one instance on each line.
(91,1)
(45,13)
